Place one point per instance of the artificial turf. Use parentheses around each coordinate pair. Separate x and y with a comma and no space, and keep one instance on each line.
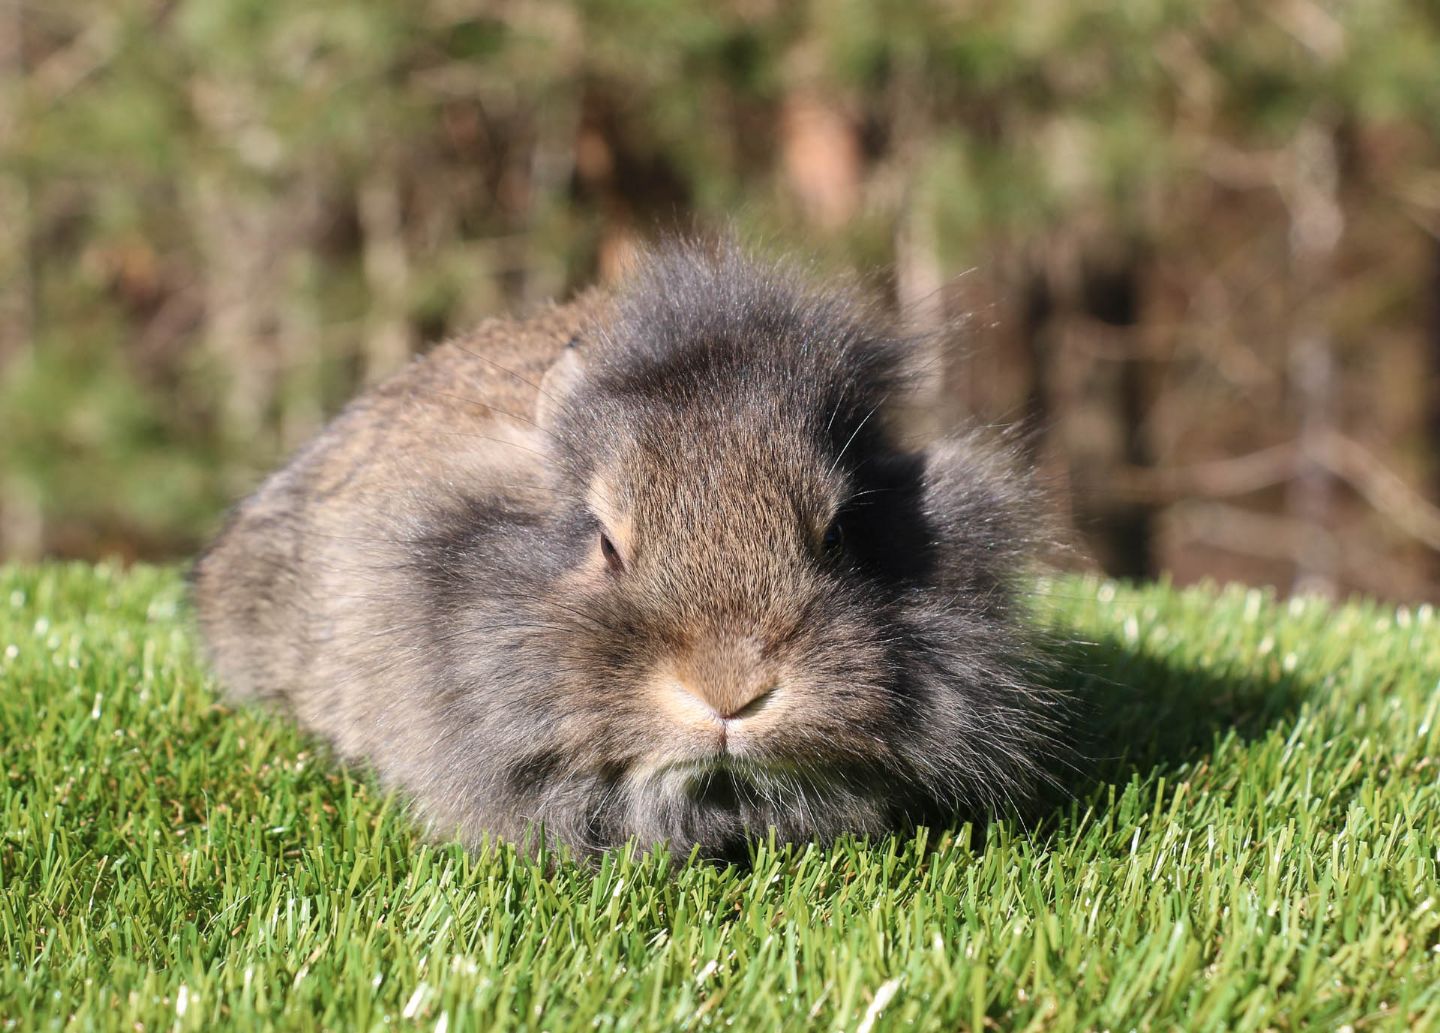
(1255,846)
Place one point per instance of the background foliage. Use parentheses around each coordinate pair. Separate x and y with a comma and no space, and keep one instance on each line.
(1194,242)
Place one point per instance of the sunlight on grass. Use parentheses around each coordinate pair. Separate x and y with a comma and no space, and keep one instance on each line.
(1256,848)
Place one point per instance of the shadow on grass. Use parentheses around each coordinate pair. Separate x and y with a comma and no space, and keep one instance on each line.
(1139,713)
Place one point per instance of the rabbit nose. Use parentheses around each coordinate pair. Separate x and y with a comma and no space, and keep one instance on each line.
(730,706)
(728,678)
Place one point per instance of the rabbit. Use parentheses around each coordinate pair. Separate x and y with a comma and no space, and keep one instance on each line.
(657,565)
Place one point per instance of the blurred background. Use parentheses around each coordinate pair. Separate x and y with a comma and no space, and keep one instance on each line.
(1193,242)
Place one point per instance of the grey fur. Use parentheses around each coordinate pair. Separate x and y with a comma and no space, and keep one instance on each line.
(424,586)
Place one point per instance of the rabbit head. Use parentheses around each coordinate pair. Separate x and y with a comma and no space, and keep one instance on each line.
(750,608)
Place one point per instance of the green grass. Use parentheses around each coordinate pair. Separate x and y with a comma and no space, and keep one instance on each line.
(1258,849)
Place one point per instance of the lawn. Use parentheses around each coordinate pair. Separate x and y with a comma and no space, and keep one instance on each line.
(1254,846)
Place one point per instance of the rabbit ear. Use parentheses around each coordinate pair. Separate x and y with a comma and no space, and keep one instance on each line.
(558,383)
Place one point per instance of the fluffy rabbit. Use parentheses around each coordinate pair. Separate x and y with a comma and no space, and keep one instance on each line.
(653,565)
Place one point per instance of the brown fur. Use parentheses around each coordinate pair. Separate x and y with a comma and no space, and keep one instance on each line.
(801,627)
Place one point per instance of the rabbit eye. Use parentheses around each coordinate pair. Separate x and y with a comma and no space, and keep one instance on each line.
(833,538)
(611,554)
